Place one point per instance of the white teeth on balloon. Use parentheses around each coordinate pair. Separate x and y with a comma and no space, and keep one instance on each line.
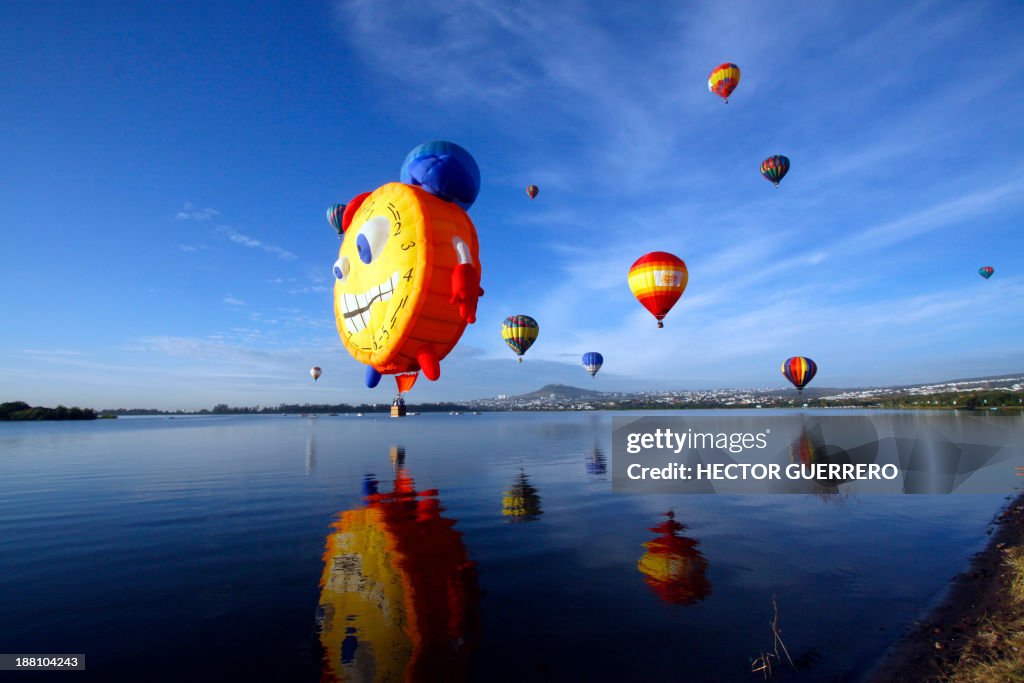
(356,307)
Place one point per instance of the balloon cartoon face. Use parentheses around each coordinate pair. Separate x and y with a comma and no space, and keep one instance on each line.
(393,286)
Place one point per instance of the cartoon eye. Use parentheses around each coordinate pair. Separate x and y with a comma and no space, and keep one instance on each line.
(373,235)
(341,268)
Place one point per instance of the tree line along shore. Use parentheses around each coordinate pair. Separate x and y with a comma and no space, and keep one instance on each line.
(13,411)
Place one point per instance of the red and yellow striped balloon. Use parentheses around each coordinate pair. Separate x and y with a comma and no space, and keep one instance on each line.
(799,370)
(658,280)
(723,80)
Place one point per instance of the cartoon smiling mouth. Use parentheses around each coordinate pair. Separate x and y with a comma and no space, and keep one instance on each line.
(357,306)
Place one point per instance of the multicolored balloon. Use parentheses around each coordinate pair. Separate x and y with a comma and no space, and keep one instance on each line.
(658,280)
(592,361)
(775,168)
(723,80)
(315,373)
(407,278)
(334,216)
(986,271)
(532,190)
(799,370)
(519,332)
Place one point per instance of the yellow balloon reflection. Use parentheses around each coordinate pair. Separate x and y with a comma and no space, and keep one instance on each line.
(673,567)
(521,502)
(399,597)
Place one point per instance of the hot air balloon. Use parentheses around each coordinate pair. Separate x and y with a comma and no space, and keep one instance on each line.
(334,216)
(723,80)
(658,280)
(775,168)
(532,190)
(315,372)
(986,271)
(408,270)
(521,501)
(673,567)
(799,370)
(519,332)
(592,361)
(399,595)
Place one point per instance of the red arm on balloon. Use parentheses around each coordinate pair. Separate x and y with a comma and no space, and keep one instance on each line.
(466,290)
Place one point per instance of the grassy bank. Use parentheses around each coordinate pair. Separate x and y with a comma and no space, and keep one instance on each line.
(977,634)
(994,651)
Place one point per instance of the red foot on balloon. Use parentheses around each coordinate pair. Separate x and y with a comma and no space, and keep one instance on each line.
(431,367)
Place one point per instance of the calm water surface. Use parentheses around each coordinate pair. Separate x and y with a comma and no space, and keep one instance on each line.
(487,547)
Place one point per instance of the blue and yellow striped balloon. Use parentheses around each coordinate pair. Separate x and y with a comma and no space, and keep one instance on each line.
(519,332)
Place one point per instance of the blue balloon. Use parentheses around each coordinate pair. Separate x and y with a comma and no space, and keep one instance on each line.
(445,170)
(593,361)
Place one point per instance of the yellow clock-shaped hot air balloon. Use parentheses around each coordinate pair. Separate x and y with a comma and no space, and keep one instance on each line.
(408,270)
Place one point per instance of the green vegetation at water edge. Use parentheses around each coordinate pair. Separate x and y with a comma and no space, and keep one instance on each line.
(19,410)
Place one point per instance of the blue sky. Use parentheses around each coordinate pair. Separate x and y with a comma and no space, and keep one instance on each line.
(165,169)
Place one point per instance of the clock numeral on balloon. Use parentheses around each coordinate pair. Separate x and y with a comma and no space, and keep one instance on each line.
(408,245)
(408,275)
(398,229)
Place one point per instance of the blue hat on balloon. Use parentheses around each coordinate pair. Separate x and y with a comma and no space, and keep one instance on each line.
(445,170)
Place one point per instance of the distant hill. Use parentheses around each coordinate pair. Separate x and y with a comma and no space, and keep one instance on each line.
(562,392)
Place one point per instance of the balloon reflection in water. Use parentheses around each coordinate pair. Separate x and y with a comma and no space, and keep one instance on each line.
(399,597)
(521,502)
(672,565)
(397,455)
(808,448)
(310,453)
(597,464)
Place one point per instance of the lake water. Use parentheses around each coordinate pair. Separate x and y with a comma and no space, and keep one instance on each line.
(438,547)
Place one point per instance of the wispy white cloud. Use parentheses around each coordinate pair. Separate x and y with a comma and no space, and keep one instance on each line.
(53,353)
(190,212)
(232,301)
(973,205)
(253,243)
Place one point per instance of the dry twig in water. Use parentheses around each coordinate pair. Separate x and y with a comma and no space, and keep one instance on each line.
(763,663)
